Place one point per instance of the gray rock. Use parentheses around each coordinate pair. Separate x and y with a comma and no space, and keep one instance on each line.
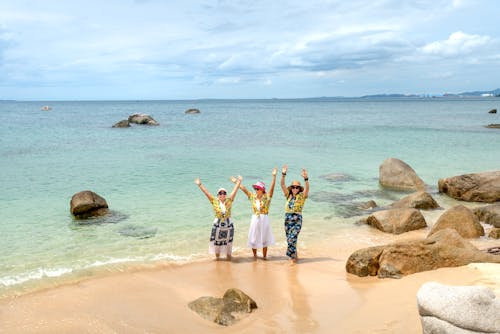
(192,111)
(397,221)
(395,173)
(142,119)
(122,124)
(432,325)
(493,126)
(85,204)
(226,310)
(137,231)
(492,111)
(477,187)
(418,200)
(468,308)
(461,219)
(337,177)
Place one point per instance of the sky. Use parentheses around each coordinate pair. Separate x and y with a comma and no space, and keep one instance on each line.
(154,49)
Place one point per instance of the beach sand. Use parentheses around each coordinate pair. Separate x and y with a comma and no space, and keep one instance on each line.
(314,296)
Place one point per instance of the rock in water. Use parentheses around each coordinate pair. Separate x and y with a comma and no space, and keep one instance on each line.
(395,173)
(87,204)
(192,111)
(142,119)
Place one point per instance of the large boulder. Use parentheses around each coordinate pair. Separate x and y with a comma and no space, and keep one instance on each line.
(477,187)
(458,309)
(490,214)
(445,248)
(460,219)
(86,204)
(221,310)
(142,119)
(418,200)
(395,173)
(397,221)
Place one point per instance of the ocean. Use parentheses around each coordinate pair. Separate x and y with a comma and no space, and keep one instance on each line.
(146,173)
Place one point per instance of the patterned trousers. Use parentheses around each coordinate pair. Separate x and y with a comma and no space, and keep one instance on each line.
(293,224)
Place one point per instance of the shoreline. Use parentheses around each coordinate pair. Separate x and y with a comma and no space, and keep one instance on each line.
(314,296)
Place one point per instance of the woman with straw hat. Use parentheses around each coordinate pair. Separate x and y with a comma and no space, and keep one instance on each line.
(221,238)
(296,196)
(260,234)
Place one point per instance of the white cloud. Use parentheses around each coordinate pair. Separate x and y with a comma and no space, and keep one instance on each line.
(458,43)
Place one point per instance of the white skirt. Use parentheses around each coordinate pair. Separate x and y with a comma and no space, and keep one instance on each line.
(260,234)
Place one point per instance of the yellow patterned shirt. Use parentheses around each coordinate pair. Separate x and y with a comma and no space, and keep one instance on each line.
(297,205)
(217,209)
(265,202)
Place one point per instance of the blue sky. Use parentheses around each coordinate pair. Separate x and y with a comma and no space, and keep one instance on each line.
(153,49)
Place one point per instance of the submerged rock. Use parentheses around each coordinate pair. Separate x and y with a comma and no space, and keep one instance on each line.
(224,311)
(85,204)
(137,231)
(337,177)
(122,124)
(192,111)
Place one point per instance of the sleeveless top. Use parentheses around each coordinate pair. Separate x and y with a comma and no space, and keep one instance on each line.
(295,204)
(218,210)
(265,202)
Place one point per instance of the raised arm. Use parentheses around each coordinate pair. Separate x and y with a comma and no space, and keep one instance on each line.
(237,181)
(282,183)
(203,189)
(273,182)
(306,181)
(242,187)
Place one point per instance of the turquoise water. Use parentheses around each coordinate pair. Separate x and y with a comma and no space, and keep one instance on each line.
(146,174)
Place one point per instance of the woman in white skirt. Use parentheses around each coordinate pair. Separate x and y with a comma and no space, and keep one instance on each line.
(260,234)
(221,238)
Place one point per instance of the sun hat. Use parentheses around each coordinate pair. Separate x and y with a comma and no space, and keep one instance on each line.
(221,189)
(295,183)
(259,185)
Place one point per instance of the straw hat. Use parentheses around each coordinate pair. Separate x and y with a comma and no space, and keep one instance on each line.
(295,183)
(259,185)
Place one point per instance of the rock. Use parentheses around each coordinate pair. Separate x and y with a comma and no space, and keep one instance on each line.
(138,231)
(221,310)
(417,200)
(458,309)
(87,204)
(477,187)
(445,248)
(122,124)
(142,119)
(337,177)
(397,221)
(490,214)
(371,204)
(192,111)
(492,111)
(462,220)
(394,173)
(494,233)
(493,126)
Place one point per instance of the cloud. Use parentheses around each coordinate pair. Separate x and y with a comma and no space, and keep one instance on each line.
(457,44)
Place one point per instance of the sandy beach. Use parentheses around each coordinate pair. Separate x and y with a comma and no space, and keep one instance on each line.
(314,296)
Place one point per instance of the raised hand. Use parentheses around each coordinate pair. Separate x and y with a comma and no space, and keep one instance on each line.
(304,173)
(275,171)
(284,169)
(197,181)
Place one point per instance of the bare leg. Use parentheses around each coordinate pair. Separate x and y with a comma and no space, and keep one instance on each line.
(264,253)
(228,257)
(254,250)
(217,256)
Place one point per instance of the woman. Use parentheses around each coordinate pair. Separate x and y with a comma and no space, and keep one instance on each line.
(221,239)
(260,234)
(295,199)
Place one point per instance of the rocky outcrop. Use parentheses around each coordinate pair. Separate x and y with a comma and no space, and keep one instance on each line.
(192,111)
(462,220)
(477,187)
(490,214)
(492,111)
(221,310)
(458,309)
(86,204)
(445,248)
(122,124)
(394,173)
(142,119)
(493,126)
(418,200)
(397,221)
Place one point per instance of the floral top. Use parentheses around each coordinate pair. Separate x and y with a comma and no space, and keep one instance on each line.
(265,202)
(295,204)
(218,210)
